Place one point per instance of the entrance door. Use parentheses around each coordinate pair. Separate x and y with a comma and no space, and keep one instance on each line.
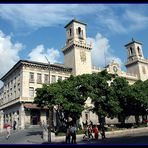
(35,116)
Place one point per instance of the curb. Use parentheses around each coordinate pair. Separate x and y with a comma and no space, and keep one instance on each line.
(109,134)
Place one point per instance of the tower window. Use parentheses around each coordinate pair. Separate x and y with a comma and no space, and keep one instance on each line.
(80,33)
(139,50)
(79,30)
(70,31)
(131,50)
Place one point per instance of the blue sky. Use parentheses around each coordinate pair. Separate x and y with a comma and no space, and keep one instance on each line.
(33,31)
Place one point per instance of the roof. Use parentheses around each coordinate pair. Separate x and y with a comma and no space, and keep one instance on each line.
(74,20)
(46,65)
(133,41)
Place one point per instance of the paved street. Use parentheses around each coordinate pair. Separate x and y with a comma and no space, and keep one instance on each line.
(33,136)
(27,136)
(140,138)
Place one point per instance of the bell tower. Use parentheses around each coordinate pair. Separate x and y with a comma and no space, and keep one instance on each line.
(136,63)
(77,52)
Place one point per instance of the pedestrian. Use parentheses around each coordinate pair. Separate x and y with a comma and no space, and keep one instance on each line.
(68,135)
(44,128)
(73,134)
(8,129)
(96,132)
(103,133)
(90,136)
(14,125)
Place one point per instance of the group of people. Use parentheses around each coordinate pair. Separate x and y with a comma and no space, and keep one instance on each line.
(71,134)
(88,133)
(90,129)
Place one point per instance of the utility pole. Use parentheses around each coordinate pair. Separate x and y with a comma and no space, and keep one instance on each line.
(50,108)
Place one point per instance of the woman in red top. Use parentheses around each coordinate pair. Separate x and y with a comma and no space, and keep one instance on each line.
(96,131)
(8,128)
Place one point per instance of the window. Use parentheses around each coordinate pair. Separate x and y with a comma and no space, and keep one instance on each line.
(18,77)
(53,78)
(59,78)
(139,51)
(31,92)
(39,78)
(14,94)
(31,77)
(131,51)
(19,92)
(80,33)
(11,83)
(66,78)
(46,77)
(79,30)
(70,32)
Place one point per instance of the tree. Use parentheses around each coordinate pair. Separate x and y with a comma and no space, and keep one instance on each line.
(102,95)
(139,101)
(122,92)
(69,94)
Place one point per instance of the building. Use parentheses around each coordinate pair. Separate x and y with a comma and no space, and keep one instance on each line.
(20,82)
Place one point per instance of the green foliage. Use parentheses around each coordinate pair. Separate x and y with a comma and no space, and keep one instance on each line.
(110,94)
(105,104)
(122,90)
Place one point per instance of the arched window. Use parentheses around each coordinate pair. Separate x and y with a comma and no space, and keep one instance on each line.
(138,50)
(80,33)
(70,32)
(79,30)
(131,51)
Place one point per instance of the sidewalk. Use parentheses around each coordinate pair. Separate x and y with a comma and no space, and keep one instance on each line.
(4,132)
(110,134)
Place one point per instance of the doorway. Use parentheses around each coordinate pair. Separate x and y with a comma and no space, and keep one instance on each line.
(35,116)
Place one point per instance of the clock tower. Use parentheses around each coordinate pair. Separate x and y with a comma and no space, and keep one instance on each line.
(136,63)
(77,52)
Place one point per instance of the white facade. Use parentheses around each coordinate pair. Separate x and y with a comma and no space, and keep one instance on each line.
(20,82)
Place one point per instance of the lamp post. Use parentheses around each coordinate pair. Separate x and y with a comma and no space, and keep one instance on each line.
(50,108)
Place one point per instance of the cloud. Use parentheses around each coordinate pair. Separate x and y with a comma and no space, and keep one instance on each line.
(138,21)
(39,53)
(43,15)
(123,18)
(101,52)
(116,18)
(112,21)
(9,53)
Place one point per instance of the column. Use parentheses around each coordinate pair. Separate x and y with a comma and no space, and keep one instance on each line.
(1,120)
(22,117)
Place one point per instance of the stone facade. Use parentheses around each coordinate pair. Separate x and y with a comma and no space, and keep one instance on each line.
(25,76)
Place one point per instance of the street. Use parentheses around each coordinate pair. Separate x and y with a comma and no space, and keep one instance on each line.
(140,138)
(27,136)
(33,136)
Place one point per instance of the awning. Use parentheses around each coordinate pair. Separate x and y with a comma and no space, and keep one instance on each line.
(33,106)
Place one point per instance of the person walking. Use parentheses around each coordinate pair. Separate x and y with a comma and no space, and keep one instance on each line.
(96,132)
(68,135)
(73,134)
(103,133)
(8,129)
(14,125)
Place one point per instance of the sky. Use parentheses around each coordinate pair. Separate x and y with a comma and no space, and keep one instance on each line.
(33,31)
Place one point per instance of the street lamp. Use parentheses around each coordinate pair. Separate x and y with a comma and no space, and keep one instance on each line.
(50,108)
